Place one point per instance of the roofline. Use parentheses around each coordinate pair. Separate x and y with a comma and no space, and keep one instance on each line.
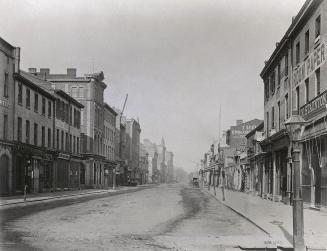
(261,125)
(289,32)
(68,97)
(35,86)
(7,43)
(110,109)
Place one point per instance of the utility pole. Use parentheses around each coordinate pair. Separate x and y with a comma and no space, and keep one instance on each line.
(120,143)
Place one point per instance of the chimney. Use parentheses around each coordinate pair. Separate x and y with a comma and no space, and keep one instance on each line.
(44,72)
(239,121)
(32,70)
(71,72)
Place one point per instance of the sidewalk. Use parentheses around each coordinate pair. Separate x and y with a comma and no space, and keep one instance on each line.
(276,218)
(19,199)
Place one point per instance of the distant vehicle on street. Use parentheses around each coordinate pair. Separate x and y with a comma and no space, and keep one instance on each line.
(195,182)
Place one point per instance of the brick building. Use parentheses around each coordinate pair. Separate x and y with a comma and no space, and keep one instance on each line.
(295,78)
(87,90)
(9,65)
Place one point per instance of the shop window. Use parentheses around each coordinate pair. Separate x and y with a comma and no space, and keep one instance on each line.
(19,129)
(20,93)
(27,131)
(28,98)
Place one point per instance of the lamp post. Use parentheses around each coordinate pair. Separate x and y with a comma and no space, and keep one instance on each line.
(295,126)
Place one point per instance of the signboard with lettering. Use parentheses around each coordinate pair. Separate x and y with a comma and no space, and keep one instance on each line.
(312,63)
(4,103)
(314,107)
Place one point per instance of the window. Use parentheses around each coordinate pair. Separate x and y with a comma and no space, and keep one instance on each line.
(286,65)
(20,93)
(74,144)
(297,93)
(297,53)
(74,92)
(5,126)
(49,138)
(317,81)
(272,117)
(67,143)
(70,142)
(57,108)
(77,144)
(278,106)
(71,115)
(267,88)
(306,42)
(28,98)
(317,26)
(19,129)
(81,92)
(27,132)
(35,133)
(62,140)
(278,76)
(272,82)
(58,146)
(63,114)
(43,106)
(49,109)
(43,136)
(6,86)
(36,102)
(307,90)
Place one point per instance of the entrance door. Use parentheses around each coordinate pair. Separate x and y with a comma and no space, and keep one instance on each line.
(4,174)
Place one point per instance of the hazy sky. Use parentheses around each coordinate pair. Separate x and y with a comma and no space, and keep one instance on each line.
(177,59)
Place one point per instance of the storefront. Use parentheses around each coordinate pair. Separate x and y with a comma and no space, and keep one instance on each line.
(276,171)
(33,168)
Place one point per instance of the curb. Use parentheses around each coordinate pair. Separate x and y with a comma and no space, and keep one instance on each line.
(69,195)
(242,215)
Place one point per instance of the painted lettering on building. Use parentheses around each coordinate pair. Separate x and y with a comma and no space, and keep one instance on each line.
(315,106)
(312,63)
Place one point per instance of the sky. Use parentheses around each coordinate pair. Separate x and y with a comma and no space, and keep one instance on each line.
(178,60)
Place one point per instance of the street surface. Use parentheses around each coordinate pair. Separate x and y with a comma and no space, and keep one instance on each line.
(167,217)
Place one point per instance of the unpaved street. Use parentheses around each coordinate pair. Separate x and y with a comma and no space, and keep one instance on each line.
(168,217)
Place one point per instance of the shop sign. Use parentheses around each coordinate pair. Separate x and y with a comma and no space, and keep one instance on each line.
(312,63)
(314,107)
(4,103)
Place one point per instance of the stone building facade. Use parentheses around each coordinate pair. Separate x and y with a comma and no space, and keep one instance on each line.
(295,82)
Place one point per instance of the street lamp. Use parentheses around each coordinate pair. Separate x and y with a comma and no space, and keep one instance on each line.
(295,126)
